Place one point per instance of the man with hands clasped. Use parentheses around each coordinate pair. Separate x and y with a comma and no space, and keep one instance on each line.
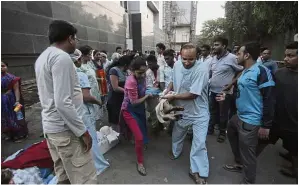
(255,101)
(190,84)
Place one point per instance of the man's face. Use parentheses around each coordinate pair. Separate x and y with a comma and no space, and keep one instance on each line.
(218,47)
(204,52)
(87,57)
(119,51)
(236,49)
(72,40)
(169,60)
(241,56)
(158,50)
(3,67)
(78,63)
(151,64)
(188,57)
(97,56)
(103,58)
(291,58)
(266,54)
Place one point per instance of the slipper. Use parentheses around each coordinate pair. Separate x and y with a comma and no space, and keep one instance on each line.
(221,138)
(141,170)
(172,157)
(233,168)
(197,179)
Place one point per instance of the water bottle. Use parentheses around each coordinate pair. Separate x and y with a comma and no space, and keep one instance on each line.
(19,115)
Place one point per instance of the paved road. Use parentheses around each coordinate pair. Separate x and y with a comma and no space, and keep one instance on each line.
(161,170)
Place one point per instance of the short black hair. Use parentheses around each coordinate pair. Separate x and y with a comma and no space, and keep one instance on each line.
(253,48)
(151,58)
(262,49)
(161,46)
(224,41)
(206,46)
(293,45)
(117,48)
(169,52)
(198,50)
(137,63)
(152,52)
(85,50)
(60,30)
(95,52)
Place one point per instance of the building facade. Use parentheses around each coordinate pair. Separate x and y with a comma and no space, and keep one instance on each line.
(179,22)
(100,24)
(146,24)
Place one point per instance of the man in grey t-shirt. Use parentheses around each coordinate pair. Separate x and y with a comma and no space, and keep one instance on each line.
(61,99)
(224,67)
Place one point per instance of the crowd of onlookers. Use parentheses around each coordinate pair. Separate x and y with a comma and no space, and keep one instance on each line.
(242,92)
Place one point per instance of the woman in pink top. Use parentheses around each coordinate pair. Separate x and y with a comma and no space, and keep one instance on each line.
(133,108)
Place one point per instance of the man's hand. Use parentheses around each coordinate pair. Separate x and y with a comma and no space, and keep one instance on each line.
(100,103)
(263,133)
(220,97)
(169,97)
(227,87)
(87,141)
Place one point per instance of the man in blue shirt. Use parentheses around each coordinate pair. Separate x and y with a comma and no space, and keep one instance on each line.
(190,83)
(266,60)
(254,102)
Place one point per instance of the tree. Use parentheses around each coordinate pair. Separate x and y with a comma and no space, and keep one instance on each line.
(212,28)
(259,20)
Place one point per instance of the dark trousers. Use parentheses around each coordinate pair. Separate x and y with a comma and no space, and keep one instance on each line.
(219,112)
(245,145)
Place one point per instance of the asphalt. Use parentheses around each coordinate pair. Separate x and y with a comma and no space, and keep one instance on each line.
(160,169)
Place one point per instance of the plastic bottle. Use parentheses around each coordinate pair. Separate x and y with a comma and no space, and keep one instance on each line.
(19,115)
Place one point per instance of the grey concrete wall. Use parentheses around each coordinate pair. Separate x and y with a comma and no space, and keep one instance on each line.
(100,24)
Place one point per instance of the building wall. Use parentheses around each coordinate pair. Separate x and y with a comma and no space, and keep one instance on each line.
(142,16)
(100,24)
(182,34)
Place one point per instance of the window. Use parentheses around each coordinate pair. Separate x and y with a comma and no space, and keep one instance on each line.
(184,38)
(124,4)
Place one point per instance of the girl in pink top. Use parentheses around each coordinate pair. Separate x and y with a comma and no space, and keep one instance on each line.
(133,108)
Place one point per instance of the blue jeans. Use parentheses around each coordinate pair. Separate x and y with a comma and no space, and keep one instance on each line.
(101,163)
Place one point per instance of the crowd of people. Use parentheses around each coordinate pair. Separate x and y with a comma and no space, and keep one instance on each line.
(243,92)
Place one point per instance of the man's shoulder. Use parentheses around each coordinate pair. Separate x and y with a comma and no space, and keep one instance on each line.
(281,71)
(52,53)
(231,57)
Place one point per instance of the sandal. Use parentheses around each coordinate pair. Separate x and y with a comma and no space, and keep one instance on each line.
(233,168)
(141,169)
(197,179)
(221,138)
(172,157)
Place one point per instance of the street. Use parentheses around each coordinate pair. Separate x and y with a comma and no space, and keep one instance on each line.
(160,169)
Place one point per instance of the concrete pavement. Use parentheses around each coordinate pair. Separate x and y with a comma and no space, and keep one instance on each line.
(160,169)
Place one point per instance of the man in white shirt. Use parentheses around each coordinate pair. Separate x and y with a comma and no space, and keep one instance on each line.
(160,47)
(205,53)
(61,99)
(166,71)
